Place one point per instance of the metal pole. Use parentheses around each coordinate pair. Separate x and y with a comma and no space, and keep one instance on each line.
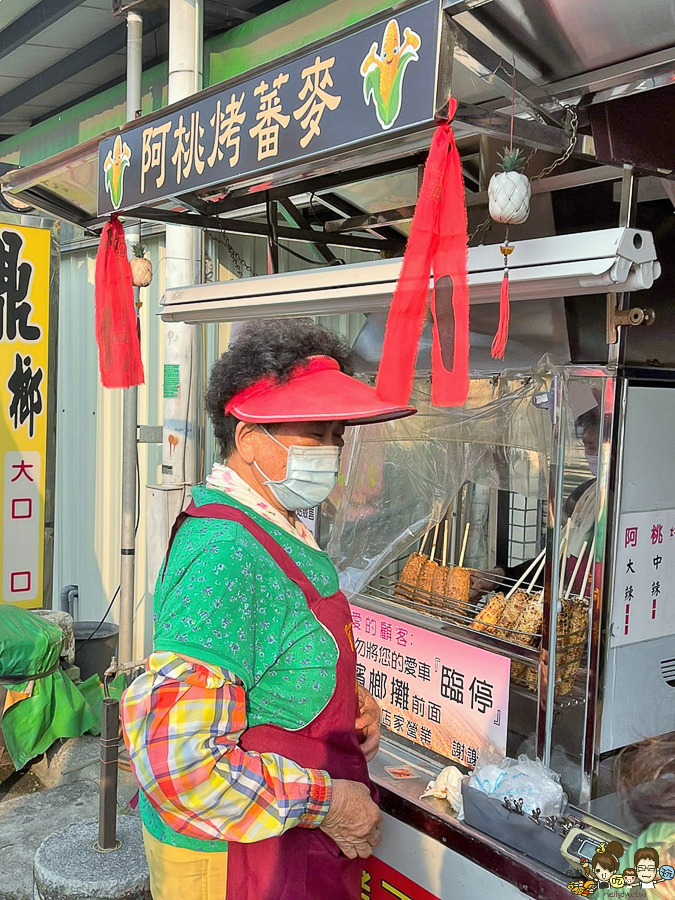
(130,402)
(602,583)
(182,344)
(549,631)
(627,219)
(107,810)
(272,246)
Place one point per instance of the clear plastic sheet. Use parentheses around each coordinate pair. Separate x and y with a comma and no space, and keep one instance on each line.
(400,476)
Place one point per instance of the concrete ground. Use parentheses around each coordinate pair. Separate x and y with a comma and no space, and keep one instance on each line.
(56,792)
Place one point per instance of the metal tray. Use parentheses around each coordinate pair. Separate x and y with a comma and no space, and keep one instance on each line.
(487,814)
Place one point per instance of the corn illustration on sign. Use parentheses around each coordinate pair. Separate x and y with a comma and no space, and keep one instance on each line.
(383,72)
(114,167)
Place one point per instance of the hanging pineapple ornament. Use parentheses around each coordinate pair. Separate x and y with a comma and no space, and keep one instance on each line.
(510,190)
(141,268)
(509,193)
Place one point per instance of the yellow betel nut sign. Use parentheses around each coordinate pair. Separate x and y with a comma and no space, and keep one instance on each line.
(24,349)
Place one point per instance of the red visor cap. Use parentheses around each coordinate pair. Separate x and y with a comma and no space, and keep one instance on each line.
(316,392)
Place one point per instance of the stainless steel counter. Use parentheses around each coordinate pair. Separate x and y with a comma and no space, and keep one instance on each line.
(399,798)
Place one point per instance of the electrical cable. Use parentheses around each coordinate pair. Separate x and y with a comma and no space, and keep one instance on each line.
(314,212)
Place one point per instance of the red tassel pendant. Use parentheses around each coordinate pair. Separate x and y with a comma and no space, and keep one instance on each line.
(502,336)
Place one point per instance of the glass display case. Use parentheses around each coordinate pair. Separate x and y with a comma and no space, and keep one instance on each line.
(484,525)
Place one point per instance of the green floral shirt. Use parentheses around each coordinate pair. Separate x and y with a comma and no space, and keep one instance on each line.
(224,600)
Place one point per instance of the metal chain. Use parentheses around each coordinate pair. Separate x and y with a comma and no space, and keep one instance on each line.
(573,124)
(238,260)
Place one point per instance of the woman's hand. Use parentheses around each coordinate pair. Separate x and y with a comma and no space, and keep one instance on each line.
(353,821)
(482,582)
(369,723)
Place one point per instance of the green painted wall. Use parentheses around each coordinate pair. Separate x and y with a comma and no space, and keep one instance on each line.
(282,31)
(83,121)
(265,38)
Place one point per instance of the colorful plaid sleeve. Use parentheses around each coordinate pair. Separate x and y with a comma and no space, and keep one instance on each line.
(182,720)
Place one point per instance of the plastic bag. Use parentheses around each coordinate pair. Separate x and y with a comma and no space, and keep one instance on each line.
(561,762)
(29,645)
(47,705)
(448,786)
(523,779)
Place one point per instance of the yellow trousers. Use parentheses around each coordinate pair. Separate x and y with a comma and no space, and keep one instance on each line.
(180,874)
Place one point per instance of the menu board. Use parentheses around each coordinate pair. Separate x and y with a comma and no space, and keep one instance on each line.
(642,606)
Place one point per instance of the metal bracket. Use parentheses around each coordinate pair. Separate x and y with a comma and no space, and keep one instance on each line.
(297,217)
(619,318)
(480,60)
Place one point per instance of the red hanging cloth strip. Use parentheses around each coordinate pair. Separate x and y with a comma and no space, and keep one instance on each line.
(119,350)
(438,242)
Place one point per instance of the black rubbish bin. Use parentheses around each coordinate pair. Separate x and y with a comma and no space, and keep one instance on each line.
(94,653)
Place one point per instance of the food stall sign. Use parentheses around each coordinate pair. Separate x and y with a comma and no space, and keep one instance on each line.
(440,693)
(645,576)
(24,360)
(380,881)
(357,90)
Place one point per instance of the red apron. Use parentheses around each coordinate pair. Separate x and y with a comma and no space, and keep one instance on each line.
(303,863)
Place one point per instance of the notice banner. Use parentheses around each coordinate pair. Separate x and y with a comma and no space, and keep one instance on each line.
(645,577)
(433,690)
(381,882)
(24,346)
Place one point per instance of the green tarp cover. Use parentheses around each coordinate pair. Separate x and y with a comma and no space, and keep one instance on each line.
(57,708)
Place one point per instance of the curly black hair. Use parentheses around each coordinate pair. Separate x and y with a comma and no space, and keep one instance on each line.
(647,779)
(266,347)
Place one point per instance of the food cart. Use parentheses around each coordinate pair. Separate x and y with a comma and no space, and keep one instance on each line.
(487,483)
(532,623)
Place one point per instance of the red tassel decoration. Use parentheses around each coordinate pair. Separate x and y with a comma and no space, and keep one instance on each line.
(438,241)
(119,350)
(502,336)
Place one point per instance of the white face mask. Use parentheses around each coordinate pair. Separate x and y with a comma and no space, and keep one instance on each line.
(311,475)
(593,465)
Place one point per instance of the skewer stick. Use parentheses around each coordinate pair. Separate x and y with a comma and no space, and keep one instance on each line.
(433,546)
(589,564)
(445,543)
(464,542)
(533,565)
(540,569)
(424,539)
(575,571)
(565,539)
(564,544)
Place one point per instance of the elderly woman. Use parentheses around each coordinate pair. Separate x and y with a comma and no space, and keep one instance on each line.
(247,734)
